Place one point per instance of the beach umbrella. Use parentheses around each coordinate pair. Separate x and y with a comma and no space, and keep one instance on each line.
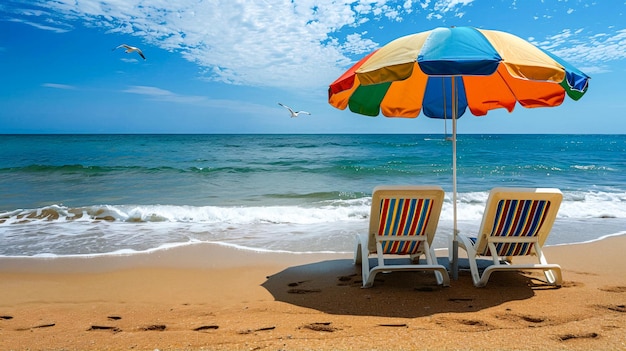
(445,71)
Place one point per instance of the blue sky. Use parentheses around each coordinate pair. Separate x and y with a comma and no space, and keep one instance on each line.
(222,66)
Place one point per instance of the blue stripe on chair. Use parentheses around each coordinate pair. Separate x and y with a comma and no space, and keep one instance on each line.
(403,217)
(518,218)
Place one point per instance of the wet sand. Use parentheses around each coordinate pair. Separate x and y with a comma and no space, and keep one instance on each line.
(210,297)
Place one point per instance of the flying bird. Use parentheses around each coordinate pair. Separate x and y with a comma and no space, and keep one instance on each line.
(130,49)
(292,112)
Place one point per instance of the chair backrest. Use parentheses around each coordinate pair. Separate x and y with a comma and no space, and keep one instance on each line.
(404,211)
(512,213)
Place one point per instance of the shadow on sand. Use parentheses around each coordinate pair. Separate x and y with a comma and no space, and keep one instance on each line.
(334,287)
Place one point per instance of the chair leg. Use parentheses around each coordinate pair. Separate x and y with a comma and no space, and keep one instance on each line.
(549,274)
(361,256)
(450,253)
(431,259)
(553,276)
(358,256)
(468,246)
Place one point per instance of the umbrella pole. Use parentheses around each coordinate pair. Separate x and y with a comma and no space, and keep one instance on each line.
(455,243)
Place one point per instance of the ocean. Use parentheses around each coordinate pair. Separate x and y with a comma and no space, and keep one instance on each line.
(69,195)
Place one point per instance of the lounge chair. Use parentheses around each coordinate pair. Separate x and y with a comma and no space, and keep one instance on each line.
(403,221)
(516,222)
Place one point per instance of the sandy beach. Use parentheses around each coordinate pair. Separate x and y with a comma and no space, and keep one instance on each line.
(210,297)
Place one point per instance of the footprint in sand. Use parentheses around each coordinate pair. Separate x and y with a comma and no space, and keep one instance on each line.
(303,291)
(531,319)
(513,317)
(47,325)
(570,284)
(250,331)
(473,322)
(298,283)
(206,327)
(566,337)
(615,308)
(104,327)
(300,290)
(394,325)
(472,325)
(346,280)
(157,327)
(614,289)
(324,327)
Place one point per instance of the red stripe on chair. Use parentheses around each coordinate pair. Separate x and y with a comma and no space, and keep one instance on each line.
(518,218)
(417,219)
(384,209)
(403,217)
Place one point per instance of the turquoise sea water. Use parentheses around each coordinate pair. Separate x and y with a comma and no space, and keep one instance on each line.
(100,194)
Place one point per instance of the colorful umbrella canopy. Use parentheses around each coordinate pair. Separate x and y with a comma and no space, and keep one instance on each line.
(491,69)
(444,71)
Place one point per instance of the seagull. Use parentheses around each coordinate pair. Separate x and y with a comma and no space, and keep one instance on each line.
(130,49)
(294,113)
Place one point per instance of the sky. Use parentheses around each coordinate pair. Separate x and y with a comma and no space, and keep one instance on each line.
(222,66)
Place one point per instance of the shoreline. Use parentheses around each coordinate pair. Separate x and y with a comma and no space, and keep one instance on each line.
(182,246)
(215,297)
(134,239)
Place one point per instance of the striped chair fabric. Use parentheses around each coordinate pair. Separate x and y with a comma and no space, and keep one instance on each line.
(517,218)
(403,217)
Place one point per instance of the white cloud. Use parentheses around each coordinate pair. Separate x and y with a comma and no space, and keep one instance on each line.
(408,6)
(163,95)
(444,6)
(433,15)
(37,25)
(300,44)
(356,44)
(580,49)
(263,43)
(291,45)
(591,70)
(158,94)
(58,86)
